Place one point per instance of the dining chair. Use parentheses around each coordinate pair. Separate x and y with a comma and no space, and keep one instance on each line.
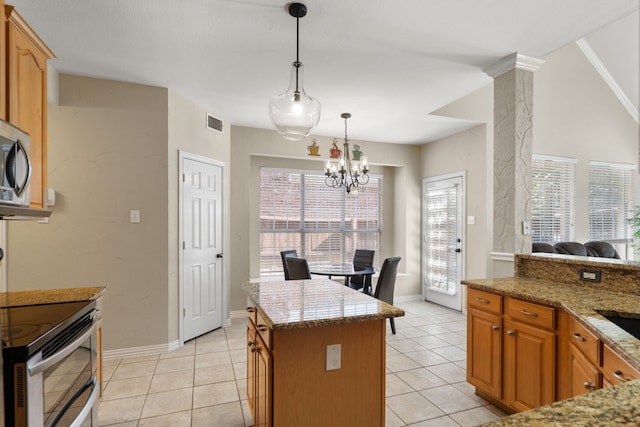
(362,258)
(386,284)
(283,255)
(298,268)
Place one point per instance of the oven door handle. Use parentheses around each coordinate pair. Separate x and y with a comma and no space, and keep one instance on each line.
(88,406)
(36,368)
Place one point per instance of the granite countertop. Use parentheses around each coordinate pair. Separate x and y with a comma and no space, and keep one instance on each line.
(49,296)
(295,304)
(612,406)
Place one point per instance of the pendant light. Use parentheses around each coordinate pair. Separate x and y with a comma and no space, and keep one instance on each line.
(294,113)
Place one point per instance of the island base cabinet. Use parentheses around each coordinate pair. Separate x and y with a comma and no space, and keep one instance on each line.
(306,394)
(259,377)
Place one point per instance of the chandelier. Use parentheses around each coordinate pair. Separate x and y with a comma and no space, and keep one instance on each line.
(294,113)
(344,172)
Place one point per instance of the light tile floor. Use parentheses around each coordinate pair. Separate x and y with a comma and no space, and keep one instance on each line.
(204,382)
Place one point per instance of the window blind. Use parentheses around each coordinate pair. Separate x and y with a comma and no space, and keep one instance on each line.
(610,201)
(298,211)
(553,199)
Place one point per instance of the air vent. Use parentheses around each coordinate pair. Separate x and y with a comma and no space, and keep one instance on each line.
(19,386)
(214,123)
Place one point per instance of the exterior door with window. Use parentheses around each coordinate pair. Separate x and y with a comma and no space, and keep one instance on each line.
(442,217)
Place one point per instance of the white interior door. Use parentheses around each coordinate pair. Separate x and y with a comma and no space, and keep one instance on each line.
(202,217)
(442,214)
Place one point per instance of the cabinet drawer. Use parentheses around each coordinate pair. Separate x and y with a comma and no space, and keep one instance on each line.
(616,370)
(484,301)
(531,313)
(263,329)
(583,339)
(251,314)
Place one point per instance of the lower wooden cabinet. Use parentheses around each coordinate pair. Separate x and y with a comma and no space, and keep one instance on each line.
(484,347)
(585,376)
(529,365)
(615,370)
(511,350)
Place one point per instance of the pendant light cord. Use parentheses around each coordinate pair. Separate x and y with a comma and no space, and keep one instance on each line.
(297,49)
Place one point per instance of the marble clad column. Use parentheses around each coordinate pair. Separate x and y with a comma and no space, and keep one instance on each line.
(512,153)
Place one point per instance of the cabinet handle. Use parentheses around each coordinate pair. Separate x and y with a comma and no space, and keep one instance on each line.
(262,328)
(618,374)
(511,332)
(526,313)
(589,386)
(254,349)
(579,337)
(482,301)
(251,343)
(251,309)
(495,327)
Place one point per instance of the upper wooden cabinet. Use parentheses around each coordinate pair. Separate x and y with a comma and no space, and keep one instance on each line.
(25,105)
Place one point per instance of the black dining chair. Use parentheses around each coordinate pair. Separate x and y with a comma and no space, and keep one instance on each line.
(283,255)
(387,283)
(362,258)
(298,268)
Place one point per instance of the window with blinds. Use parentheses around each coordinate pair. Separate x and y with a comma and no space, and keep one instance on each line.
(610,201)
(553,199)
(298,211)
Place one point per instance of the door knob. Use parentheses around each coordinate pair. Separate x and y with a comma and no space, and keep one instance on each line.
(458,250)
(219,255)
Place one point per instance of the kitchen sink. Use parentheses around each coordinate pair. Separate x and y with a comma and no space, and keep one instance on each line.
(629,324)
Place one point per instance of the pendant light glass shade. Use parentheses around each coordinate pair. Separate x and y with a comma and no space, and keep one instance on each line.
(294,113)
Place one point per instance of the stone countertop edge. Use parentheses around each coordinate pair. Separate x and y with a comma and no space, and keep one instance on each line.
(384,310)
(50,296)
(610,406)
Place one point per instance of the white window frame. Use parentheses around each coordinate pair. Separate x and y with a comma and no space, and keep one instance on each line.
(553,190)
(295,231)
(611,201)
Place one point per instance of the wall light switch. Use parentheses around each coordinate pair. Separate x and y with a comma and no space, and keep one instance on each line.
(471,220)
(135,217)
(333,356)
(526,227)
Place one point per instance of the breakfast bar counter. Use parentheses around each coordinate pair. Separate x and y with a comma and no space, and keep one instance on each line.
(316,353)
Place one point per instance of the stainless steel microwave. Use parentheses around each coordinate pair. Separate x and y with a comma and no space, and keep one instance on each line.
(15,166)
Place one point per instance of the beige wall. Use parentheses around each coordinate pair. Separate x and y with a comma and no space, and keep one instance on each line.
(577,115)
(107,155)
(113,147)
(254,148)
(459,153)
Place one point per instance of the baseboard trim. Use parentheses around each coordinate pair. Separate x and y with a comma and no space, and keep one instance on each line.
(407,298)
(141,351)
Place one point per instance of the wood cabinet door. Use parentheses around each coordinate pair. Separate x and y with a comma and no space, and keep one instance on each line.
(585,377)
(27,80)
(529,366)
(263,385)
(251,365)
(484,347)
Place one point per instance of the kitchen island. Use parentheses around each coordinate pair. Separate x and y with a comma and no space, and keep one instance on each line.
(582,341)
(316,354)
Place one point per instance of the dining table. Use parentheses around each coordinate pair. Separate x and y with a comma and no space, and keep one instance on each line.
(346,270)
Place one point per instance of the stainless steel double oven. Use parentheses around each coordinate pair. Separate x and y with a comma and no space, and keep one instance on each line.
(50,364)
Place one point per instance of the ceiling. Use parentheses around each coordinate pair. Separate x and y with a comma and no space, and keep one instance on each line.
(388,63)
